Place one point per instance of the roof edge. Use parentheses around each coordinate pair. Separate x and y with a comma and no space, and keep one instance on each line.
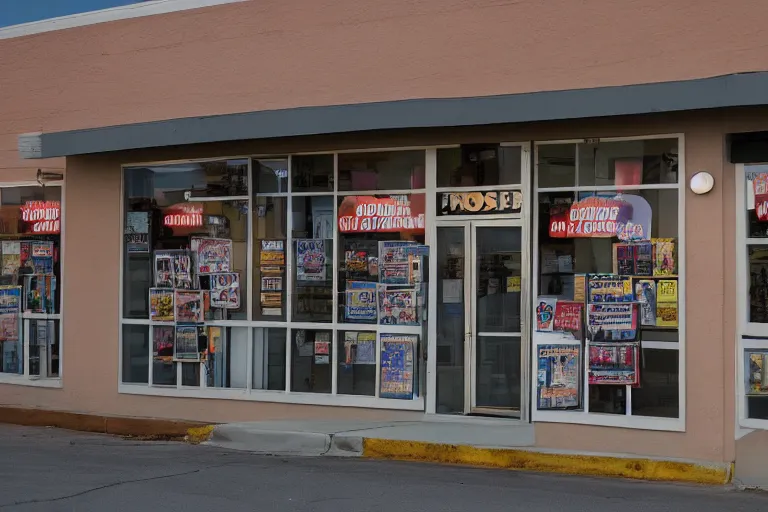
(736,90)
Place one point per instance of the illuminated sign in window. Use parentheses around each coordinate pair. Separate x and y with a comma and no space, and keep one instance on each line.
(41,217)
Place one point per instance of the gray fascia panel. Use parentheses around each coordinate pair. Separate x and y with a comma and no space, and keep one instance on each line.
(748,89)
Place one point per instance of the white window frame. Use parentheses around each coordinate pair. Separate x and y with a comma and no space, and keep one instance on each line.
(751,335)
(616,420)
(288,396)
(42,381)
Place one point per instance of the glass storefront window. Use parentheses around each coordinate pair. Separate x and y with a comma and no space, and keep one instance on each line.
(312,173)
(269,358)
(270,175)
(357,363)
(479,165)
(30,276)
(135,354)
(311,352)
(608,277)
(386,170)
(313,258)
(363,223)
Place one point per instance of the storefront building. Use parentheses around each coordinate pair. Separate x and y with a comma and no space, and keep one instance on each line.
(561,258)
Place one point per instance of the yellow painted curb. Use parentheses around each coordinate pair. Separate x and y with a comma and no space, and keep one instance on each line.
(637,468)
(197,435)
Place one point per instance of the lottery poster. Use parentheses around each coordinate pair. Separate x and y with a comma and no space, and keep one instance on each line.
(397,366)
(612,322)
(394,262)
(614,363)
(361,305)
(161,305)
(186,347)
(225,290)
(188,306)
(398,307)
(310,260)
(213,254)
(272,253)
(359,347)
(559,377)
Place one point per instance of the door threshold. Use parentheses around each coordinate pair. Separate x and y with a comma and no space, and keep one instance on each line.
(494,414)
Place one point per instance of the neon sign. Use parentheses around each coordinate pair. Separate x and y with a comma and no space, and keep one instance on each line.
(42,217)
(184,215)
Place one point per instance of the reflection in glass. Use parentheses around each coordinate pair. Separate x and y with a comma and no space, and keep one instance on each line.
(269,358)
(226,361)
(135,354)
(384,170)
(312,173)
(478,165)
(163,366)
(659,394)
(270,175)
(757,256)
(499,369)
(311,352)
(498,271)
(357,363)
(450,257)
(313,258)
(556,165)
(628,162)
(190,374)
(756,199)
(608,399)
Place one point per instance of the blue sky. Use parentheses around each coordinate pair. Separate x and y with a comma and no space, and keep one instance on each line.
(13,12)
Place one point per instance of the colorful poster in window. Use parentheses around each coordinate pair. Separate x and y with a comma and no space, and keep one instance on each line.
(225,290)
(186,347)
(136,232)
(11,258)
(559,377)
(756,372)
(188,306)
(385,214)
(272,284)
(40,294)
(611,322)
(664,257)
(545,314)
(359,347)
(361,302)
(163,341)
(397,307)
(310,260)
(173,269)
(666,303)
(161,305)
(614,363)
(271,303)
(568,316)
(397,366)
(645,295)
(760,187)
(10,307)
(394,262)
(272,253)
(625,216)
(609,288)
(356,264)
(213,254)
(42,257)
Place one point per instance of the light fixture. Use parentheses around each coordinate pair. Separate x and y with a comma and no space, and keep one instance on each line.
(46,177)
(702,183)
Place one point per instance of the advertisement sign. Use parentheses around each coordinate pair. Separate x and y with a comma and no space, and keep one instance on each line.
(614,363)
(491,202)
(386,214)
(310,260)
(213,254)
(625,216)
(361,303)
(612,322)
(185,215)
(559,382)
(568,316)
(41,217)
(397,365)
(136,232)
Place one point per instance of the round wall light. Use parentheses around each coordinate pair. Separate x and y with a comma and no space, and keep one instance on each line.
(702,182)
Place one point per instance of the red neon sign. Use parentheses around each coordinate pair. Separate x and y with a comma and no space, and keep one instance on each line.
(41,217)
(183,216)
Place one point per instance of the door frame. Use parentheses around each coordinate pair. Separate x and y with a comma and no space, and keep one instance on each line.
(470,390)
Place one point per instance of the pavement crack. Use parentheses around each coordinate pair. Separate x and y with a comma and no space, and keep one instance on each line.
(108,486)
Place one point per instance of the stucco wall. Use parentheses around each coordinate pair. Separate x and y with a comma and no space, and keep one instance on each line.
(267,54)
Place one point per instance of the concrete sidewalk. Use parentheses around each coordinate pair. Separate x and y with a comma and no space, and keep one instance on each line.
(313,438)
(504,444)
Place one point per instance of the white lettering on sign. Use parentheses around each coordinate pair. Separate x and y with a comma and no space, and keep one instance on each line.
(42,217)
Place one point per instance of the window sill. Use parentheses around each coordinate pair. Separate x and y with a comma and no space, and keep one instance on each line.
(753,423)
(610,420)
(21,380)
(276,397)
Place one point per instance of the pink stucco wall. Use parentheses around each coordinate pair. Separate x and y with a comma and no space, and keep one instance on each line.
(267,54)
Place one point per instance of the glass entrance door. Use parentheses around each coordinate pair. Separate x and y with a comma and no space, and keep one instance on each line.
(480,341)
(496,319)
